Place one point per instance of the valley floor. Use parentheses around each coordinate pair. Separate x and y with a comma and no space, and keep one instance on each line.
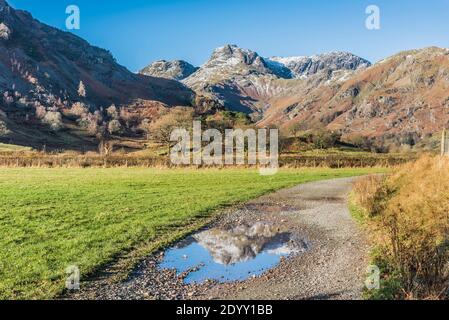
(51,219)
(331,266)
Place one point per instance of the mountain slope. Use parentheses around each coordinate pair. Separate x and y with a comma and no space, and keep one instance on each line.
(404,98)
(38,59)
(244,81)
(333,61)
(42,67)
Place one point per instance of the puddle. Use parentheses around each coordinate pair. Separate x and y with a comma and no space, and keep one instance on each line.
(232,254)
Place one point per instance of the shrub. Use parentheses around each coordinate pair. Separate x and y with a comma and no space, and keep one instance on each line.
(53,119)
(3,129)
(112,112)
(319,139)
(114,127)
(324,139)
(79,109)
(91,122)
(409,214)
(371,194)
(40,111)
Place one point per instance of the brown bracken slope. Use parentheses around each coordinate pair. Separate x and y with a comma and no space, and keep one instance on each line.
(402,97)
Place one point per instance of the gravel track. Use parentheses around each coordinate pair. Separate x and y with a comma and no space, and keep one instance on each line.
(332,268)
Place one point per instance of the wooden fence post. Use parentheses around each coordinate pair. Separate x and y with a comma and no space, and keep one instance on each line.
(445,144)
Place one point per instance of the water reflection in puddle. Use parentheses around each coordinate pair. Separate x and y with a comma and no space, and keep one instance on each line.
(231,255)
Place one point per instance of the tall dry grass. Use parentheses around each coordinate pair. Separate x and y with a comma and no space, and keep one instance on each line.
(408,216)
(123,159)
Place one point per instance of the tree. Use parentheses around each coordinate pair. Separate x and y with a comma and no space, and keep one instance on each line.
(128,117)
(161,129)
(90,122)
(82,90)
(114,126)
(4,129)
(228,120)
(297,130)
(323,139)
(79,109)
(105,146)
(40,111)
(53,119)
(112,112)
(145,126)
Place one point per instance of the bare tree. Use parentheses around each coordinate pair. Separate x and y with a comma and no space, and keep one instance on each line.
(53,119)
(79,109)
(105,146)
(82,90)
(112,112)
(114,126)
(161,129)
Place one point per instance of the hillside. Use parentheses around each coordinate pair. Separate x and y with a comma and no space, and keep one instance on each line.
(244,81)
(41,69)
(58,91)
(402,99)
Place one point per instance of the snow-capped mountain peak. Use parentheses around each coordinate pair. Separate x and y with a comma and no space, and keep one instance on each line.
(242,80)
(302,66)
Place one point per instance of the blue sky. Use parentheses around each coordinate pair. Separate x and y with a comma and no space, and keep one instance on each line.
(140,31)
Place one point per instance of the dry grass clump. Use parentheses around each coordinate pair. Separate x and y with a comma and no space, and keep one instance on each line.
(408,214)
(372,193)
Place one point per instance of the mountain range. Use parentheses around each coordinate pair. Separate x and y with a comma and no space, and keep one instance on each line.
(402,99)
(246,82)
(46,73)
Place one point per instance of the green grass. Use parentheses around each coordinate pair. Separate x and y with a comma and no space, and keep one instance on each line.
(53,218)
(12,148)
(357,212)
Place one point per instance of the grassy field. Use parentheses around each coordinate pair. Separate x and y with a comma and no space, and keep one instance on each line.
(53,218)
(12,148)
